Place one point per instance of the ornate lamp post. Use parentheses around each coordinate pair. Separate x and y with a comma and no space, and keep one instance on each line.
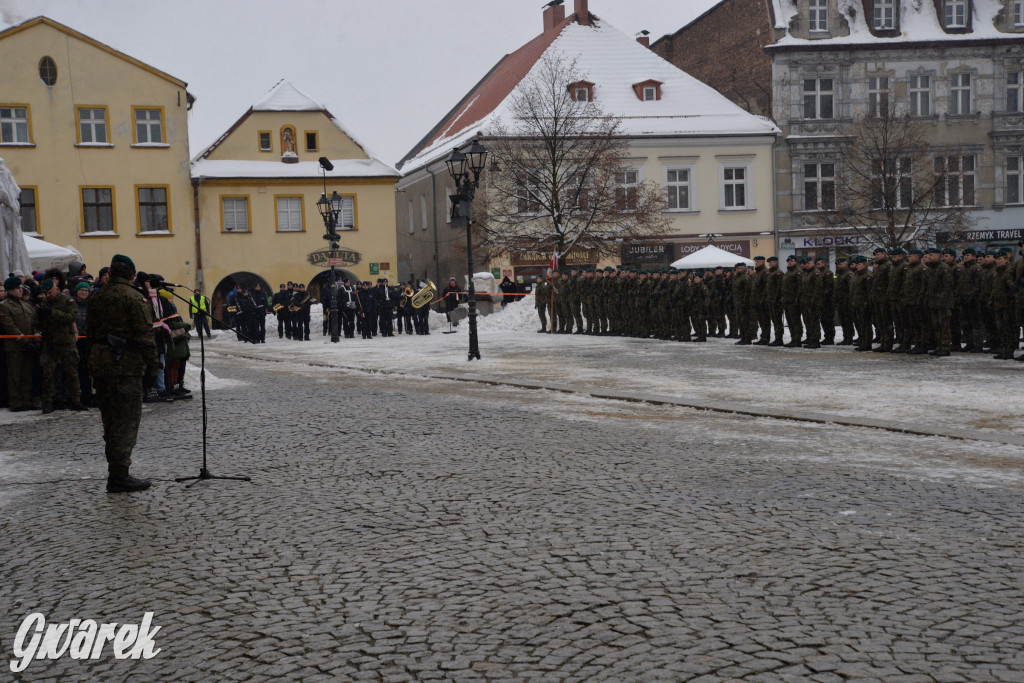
(330,210)
(465,168)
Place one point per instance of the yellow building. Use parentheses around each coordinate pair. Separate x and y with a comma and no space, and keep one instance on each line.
(98,142)
(258,187)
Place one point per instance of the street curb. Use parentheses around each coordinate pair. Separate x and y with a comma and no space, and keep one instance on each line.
(724,407)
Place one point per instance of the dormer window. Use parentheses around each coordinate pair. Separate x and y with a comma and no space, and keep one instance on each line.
(582,91)
(648,91)
(1018,13)
(885,15)
(956,13)
(817,15)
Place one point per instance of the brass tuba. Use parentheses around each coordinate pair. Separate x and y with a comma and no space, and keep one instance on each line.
(424,296)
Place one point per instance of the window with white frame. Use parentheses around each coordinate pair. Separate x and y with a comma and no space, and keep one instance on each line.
(582,94)
(235,211)
(98,209)
(878,95)
(960,94)
(884,15)
(818,15)
(1013,91)
(1014,190)
(626,185)
(920,95)
(819,187)
(735,179)
(347,217)
(956,13)
(92,126)
(956,174)
(29,214)
(13,125)
(892,188)
(528,200)
(650,93)
(1018,12)
(679,188)
(289,214)
(153,211)
(818,98)
(148,127)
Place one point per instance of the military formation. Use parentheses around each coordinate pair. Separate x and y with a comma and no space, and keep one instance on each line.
(932,301)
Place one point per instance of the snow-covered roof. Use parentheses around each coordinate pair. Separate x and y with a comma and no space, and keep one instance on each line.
(344,168)
(286,97)
(919,22)
(614,62)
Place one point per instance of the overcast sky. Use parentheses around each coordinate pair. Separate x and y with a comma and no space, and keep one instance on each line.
(387,69)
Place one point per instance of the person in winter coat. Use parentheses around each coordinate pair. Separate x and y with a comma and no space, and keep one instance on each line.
(508,288)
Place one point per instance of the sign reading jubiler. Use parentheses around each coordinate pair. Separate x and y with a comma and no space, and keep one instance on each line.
(335,257)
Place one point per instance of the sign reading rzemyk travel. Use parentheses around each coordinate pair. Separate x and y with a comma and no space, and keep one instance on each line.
(1005,235)
(335,257)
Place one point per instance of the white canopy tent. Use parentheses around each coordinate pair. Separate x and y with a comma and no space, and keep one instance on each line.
(13,255)
(710,257)
(45,255)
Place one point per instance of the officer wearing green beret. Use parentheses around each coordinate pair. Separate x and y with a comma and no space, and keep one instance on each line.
(119,333)
(56,315)
(17,317)
(939,295)
(880,314)
(860,302)
(791,301)
(844,313)
(969,301)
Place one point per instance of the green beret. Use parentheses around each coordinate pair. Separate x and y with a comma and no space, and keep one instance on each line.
(841,260)
(990,252)
(81,285)
(12,283)
(47,285)
(933,250)
(791,257)
(948,250)
(759,258)
(916,251)
(879,250)
(806,259)
(121,258)
(772,258)
(896,251)
(740,265)
(971,251)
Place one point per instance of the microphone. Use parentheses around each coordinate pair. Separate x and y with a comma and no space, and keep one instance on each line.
(171,284)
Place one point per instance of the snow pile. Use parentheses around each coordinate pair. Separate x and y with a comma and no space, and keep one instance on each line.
(212,381)
(520,316)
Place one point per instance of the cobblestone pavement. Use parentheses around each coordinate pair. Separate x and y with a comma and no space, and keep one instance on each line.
(404,529)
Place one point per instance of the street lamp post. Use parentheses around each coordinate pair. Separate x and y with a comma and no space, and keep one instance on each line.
(330,210)
(465,168)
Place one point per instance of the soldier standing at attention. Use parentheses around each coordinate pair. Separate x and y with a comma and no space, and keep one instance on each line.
(741,299)
(897,255)
(542,300)
(758,307)
(880,301)
(810,303)
(122,350)
(860,302)
(791,302)
(828,302)
(842,300)
(939,294)
(913,304)
(17,316)
(57,313)
(773,298)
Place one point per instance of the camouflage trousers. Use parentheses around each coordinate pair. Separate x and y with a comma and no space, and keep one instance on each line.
(940,319)
(120,400)
(542,313)
(19,375)
(61,358)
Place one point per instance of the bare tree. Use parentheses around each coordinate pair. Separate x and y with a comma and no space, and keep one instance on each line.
(891,187)
(558,177)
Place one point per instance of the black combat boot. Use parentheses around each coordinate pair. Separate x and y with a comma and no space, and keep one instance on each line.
(119,481)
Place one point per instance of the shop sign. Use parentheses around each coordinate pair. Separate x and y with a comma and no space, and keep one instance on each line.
(641,254)
(575,257)
(738,247)
(1012,234)
(815,242)
(334,257)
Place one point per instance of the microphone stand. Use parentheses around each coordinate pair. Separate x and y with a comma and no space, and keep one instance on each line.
(204,471)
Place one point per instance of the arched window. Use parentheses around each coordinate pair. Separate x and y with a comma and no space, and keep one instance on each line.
(48,70)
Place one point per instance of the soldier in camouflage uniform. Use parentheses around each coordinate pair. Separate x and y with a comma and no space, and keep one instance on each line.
(576,299)
(1002,302)
(562,314)
(860,302)
(773,298)
(939,295)
(122,351)
(988,277)
(828,302)
(844,313)
(699,307)
(949,257)
(880,313)
(56,315)
(542,300)
(17,317)
(791,301)
(758,306)
(741,298)
(913,304)
(810,302)
(969,301)
(897,256)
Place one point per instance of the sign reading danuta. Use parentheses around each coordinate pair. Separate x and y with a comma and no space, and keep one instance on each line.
(336,257)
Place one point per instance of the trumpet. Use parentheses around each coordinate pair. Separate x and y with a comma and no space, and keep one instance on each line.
(424,296)
(406,293)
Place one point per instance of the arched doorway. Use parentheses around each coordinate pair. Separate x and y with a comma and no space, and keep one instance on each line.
(324,277)
(218,301)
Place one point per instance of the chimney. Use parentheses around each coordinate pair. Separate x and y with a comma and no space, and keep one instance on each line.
(583,12)
(644,38)
(553,16)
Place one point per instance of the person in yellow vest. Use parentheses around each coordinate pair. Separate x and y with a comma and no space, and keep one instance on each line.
(199,309)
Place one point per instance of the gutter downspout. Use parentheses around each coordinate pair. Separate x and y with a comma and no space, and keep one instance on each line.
(199,242)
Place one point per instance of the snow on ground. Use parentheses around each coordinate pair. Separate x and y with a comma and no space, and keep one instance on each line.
(966,391)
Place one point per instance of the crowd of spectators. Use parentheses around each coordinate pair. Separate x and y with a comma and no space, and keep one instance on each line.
(44,357)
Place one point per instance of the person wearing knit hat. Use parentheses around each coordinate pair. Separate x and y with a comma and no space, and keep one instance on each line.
(17,317)
(122,351)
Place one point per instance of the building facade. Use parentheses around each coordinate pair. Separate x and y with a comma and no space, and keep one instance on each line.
(711,159)
(98,142)
(952,65)
(257,189)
